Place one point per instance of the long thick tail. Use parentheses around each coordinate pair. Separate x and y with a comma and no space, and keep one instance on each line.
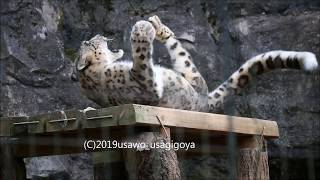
(257,65)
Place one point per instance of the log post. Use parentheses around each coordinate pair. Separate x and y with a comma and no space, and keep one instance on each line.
(152,163)
(253,159)
(11,167)
(108,165)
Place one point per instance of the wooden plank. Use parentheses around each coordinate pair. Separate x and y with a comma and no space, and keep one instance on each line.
(147,115)
(68,142)
(71,120)
(63,121)
(117,121)
(10,126)
(210,143)
(139,115)
(112,116)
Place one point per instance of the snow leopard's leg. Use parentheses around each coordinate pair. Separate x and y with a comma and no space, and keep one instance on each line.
(181,58)
(143,71)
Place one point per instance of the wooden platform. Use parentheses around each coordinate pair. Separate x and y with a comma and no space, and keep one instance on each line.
(65,132)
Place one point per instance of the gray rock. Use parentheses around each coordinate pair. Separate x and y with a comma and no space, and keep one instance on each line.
(289,97)
(35,75)
(77,166)
(40,39)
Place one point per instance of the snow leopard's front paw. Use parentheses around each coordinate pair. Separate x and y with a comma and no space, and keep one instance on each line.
(142,32)
(162,31)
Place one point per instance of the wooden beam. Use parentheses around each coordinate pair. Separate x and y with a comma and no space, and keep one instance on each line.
(198,121)
(68,142)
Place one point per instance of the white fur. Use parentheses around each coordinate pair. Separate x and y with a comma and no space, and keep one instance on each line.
(308,60)
(158,70)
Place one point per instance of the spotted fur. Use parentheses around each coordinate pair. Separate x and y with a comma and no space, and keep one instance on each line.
(109,81)
(260,64)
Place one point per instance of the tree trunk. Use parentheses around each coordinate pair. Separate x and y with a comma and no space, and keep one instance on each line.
(253,161)
(11,167)
(152,163)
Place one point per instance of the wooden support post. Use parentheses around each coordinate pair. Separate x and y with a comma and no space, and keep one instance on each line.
(109,165)
(253,159)
(152,163)
(11,167)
